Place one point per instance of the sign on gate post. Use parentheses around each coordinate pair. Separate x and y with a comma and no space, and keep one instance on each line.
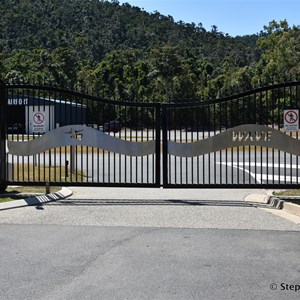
(291,120)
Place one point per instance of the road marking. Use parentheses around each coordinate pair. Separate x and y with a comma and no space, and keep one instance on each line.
(280,178)
(263,165)
(265,177)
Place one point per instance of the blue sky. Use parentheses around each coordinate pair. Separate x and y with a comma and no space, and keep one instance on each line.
(235,17)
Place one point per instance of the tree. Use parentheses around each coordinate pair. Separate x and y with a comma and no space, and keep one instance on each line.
(166,66)
(280,45)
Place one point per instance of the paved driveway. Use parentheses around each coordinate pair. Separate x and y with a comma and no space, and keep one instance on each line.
(148,244)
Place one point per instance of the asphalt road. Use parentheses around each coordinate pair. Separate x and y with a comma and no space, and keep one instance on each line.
(148,244)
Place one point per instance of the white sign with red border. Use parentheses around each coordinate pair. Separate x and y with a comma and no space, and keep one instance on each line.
(38,122)
(291,120)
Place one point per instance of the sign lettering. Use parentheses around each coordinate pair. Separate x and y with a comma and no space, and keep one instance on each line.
(19,101)
(244,136)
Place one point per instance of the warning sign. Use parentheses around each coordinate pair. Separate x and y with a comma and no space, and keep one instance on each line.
(291,120)
(38,124)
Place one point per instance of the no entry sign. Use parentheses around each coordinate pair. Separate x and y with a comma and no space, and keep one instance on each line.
(291,120)
(38,119)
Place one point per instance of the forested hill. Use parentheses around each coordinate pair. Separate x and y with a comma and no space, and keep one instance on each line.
(122,52)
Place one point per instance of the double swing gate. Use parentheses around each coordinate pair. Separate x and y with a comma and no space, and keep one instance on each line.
(64,137)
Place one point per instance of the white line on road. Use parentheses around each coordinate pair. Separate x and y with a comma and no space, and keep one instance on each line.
(264,165)
(265,177)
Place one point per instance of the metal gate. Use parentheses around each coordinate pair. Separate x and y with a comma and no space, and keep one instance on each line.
(236,141)
(70,138)
(49,134)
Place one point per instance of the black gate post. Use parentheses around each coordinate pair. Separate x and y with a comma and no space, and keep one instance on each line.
(165,144)
(3,121)
(158,140)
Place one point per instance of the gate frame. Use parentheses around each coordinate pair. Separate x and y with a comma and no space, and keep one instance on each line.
(165,165)
(3,126)
(161,134)
(4,180)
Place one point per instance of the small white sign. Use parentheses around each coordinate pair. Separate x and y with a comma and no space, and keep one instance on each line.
(38,122)
(291,120)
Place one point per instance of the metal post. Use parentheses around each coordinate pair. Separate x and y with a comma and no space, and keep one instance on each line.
(158,141)
(72,160)
(165,144)
(47,187)
(3,121)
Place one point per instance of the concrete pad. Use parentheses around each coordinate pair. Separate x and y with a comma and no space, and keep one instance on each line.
(36,200)
(292,208)
(258,198)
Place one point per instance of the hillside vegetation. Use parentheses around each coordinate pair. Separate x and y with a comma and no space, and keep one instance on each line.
(122,52)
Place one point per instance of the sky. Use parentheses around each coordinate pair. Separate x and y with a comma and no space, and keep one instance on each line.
(235,17)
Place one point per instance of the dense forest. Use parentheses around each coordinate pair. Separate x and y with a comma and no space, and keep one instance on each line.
(122,52)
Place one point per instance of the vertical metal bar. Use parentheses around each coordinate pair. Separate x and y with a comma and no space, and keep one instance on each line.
(120,155)
(3,126)
(165,144)
(157,143)
(204,125)
(244,149)
(130,138)
(209,125)
(255,148)
(267,123)
(136,140)
(297,134)
(261,123)
(221,151)
(174,127)
(250,147)
(125,157)
(232,148)
(180,139)
(215,162)
(238,148)
(60,124)
(226,151)
(142,140)
(192,140)
(278,124)
(284,104)
(23,158)
(186,140)
(291,160)
(114,156)
(54,127)
(103,151)
(273,124)
(147,169)
(197,169)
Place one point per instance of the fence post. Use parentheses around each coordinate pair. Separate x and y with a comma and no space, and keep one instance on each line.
(158,144)
(3,124)
(165,144)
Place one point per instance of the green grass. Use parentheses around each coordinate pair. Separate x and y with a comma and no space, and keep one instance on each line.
(289,193)
(17,192)
(32,189)
(32,173)
(2,200)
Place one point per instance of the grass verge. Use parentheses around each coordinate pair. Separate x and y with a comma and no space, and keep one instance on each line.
(32,173)
(289,193)
(32,189)
(6,199)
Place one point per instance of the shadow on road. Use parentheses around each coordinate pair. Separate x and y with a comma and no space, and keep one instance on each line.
(172,202)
